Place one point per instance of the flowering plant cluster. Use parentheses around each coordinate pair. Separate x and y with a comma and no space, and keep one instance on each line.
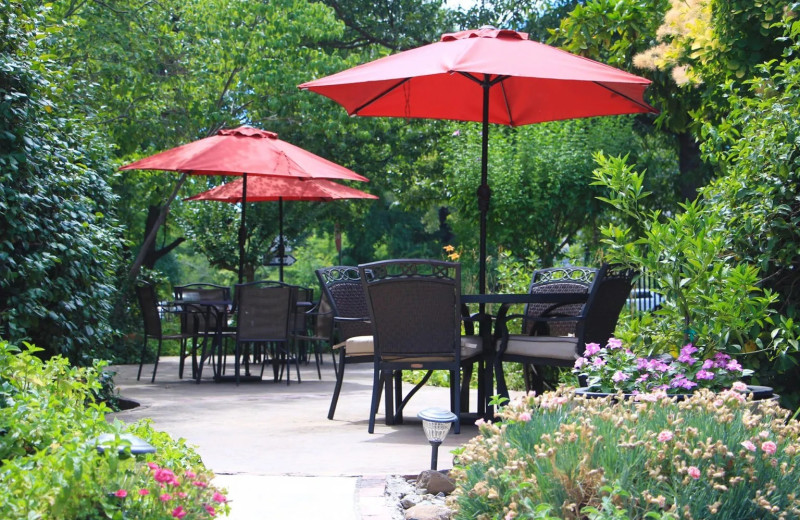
(153,492)
(563,456)
(614,368)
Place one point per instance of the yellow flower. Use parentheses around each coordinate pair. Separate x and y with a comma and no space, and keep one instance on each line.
(454,256)
(449,249)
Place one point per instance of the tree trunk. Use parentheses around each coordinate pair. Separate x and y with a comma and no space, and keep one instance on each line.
(153,254)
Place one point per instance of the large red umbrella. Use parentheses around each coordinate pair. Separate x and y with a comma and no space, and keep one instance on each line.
(243,151)
(263,189)
(486,75)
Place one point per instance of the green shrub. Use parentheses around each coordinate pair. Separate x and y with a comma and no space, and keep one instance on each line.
(710,456)
(51,467)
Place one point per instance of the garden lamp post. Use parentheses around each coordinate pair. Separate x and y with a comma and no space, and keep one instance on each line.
(436,424)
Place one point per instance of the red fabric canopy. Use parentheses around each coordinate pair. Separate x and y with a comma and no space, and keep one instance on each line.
(244,150)
(262,189)
(533,82)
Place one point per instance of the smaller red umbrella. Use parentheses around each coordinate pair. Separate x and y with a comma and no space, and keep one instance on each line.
(266,189)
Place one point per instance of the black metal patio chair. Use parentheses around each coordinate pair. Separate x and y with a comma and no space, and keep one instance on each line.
(415,312)
(556,344)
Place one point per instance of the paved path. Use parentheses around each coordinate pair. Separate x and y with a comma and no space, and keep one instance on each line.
(275,450)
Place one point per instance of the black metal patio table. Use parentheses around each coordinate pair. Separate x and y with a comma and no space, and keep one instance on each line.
(487,332)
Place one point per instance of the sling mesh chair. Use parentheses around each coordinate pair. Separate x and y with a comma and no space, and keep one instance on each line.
(316,330)
(595,323)
(341,287)
(554,280)
(148,304)
(415,311)
(265,313)
(196,320)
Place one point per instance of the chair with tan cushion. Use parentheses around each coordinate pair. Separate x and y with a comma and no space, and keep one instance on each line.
(341,287)
(415,313)
(559,334)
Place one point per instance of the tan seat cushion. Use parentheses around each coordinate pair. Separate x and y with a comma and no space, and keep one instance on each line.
(363,345)
(554,347)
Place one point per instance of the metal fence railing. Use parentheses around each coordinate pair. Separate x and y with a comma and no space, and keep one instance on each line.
(643,298)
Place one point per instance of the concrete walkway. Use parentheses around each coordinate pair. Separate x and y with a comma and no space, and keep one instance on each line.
(273,448)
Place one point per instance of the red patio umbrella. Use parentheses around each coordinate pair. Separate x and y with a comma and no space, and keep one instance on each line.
(242,151)
(486,75)
(263,189)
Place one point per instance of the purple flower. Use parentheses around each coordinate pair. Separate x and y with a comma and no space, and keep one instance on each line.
(705,374)
(592,349)
(721,359)
(733,366)
(580,362)
(642,364)
(598,362)
(642,378)
(614,343)
(620,376)
(688,349)
(686,358)
(682,382)
(659,366)
(708,364)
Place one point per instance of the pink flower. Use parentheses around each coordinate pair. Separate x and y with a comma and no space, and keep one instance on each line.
(524,416)
(580,362)
(708,363)
(665,436)
(219,497)
(190,474)
(143,492)
(733,366)
(694,472)
(456,133)
(598,362)
(739,386)
(592,349)
(620,376)
(749,446)
(121,493)
(179,512)
(166,497)
(152,465)
(210,510)
(614,343)
(181,494)
(705,374)
(769,447)
(164,475)
(199,483)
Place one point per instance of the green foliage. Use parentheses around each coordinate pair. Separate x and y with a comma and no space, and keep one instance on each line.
(51,467)
(581,458)
(711,298)
(542,196)
(60,247)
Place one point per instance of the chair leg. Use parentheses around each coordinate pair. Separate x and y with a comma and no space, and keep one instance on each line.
(502,388)
(141,357)
(456,393)
(338,387)
(377,381)
(182,358)
(465,387)
(155,366)
(296,361)
(392,413)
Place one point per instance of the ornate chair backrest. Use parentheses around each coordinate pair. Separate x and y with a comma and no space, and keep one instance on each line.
(607,297)
(557,280)
(341,285)
(414,306)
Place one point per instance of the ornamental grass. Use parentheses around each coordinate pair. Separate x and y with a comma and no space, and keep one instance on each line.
(563,456)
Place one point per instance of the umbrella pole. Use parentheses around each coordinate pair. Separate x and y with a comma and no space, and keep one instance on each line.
(484,192)
(243,227)
(280,238)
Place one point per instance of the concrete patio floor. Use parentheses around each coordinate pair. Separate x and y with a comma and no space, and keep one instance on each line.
(272,446)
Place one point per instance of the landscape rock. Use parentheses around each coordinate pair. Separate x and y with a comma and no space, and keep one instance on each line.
(435,482)
(428,512)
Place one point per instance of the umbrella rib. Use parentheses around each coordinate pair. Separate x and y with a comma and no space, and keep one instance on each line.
(374,99)
(643,105)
